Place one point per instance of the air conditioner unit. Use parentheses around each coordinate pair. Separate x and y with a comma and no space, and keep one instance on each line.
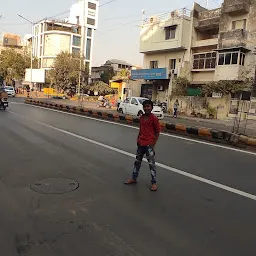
(160,88)
(174,71)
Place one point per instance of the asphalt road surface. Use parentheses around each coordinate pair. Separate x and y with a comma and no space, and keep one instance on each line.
(205,205)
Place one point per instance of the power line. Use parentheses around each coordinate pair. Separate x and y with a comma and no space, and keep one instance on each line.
(107,3)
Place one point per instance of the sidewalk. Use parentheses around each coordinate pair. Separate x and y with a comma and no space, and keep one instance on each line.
(224,125)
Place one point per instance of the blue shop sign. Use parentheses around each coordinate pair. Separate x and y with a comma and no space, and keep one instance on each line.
(149,74)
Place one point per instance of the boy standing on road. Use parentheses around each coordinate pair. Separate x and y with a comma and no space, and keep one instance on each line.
(146,141)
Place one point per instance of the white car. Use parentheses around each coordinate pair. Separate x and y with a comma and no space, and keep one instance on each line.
(10,91)
(133,106)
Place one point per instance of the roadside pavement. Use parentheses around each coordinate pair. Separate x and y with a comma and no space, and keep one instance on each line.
(248,128)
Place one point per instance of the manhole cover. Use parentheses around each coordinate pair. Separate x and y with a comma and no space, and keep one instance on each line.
(55,186)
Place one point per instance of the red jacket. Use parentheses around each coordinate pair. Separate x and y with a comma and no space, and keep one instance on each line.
(148,130)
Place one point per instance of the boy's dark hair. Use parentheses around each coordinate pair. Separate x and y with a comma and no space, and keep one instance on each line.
(148,102)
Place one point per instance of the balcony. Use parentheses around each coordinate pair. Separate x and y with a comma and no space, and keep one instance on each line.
(205,43)
(208,19)
(236,7)
(233,38)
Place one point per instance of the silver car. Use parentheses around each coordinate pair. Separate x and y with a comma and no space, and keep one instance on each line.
(10,91)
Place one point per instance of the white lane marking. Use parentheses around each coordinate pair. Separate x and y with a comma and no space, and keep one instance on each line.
(166,167)
(162,133)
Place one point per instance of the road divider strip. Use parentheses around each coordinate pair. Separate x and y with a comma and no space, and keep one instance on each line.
(218,136)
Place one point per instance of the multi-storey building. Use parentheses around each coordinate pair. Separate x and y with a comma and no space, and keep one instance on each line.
(74,35)
(202,45)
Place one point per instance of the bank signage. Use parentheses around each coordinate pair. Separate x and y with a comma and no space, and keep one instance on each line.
(149,74)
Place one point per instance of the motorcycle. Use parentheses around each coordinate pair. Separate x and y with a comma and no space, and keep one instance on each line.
(3,99)
(104,104)
(163,105)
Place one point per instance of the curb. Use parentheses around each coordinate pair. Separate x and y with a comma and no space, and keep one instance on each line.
(222,137)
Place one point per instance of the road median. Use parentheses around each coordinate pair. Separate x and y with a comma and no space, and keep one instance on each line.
(202,133)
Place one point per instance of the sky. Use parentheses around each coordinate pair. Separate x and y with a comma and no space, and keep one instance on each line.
(118,33)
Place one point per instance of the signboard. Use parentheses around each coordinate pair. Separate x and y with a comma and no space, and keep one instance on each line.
(217,95)
(38,75)
(150,74)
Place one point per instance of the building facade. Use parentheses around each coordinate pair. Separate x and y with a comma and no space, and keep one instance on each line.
(74,35)
(201,45)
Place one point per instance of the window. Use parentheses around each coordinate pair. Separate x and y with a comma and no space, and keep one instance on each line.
(170,32)
(221,59)
(239,24)
(76,41)
(231,58)
(89,32)
(134,101)
(242,57)
(172,64)
(75,51)
(119,66)
(88,48)
(204,60)
(90,21)
(153,64)
(92,6)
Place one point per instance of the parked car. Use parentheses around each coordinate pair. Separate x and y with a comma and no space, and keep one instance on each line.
(10,91)
(133,106)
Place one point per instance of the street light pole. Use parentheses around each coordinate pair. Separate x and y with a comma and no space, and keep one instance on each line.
(31,52)
(82,49)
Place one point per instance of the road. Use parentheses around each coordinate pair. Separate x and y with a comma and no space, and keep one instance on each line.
(205,205)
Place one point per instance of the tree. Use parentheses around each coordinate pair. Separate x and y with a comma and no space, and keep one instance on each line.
(66,71)
(124,75)
(100,87)
(180,86)
(226,86)
(13,65)
(107,75)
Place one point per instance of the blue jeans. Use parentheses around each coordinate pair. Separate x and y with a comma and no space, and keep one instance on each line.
(150,154)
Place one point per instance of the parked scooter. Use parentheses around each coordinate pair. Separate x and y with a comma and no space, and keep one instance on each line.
(163,105)
(104,104)
(3,99)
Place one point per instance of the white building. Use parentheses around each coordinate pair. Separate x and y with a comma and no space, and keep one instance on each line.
(74,35)
(85,13)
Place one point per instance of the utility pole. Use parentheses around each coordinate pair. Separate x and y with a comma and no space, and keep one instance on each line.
(31,52)
(83,33)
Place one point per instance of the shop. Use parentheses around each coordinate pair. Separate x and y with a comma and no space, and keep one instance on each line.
(155,85)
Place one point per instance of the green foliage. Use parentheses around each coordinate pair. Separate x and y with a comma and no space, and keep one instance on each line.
(211,111)
(107,75)
(100,87)
(225,87)
(13,64)
(180,86)
(124,75)
(66,71)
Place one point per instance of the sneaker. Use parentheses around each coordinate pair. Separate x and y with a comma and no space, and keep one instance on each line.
(153,187)
(130,181)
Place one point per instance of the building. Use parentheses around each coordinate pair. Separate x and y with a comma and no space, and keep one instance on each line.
(97,72)
(114,66)
(13,41)
(74,35)
(53,37)
(164,42)
(118,65)
(202,45)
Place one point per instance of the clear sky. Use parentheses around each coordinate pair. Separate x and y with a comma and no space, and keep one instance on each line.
(118,34)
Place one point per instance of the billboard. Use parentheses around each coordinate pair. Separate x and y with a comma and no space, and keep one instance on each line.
(150,74)
(38,75)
